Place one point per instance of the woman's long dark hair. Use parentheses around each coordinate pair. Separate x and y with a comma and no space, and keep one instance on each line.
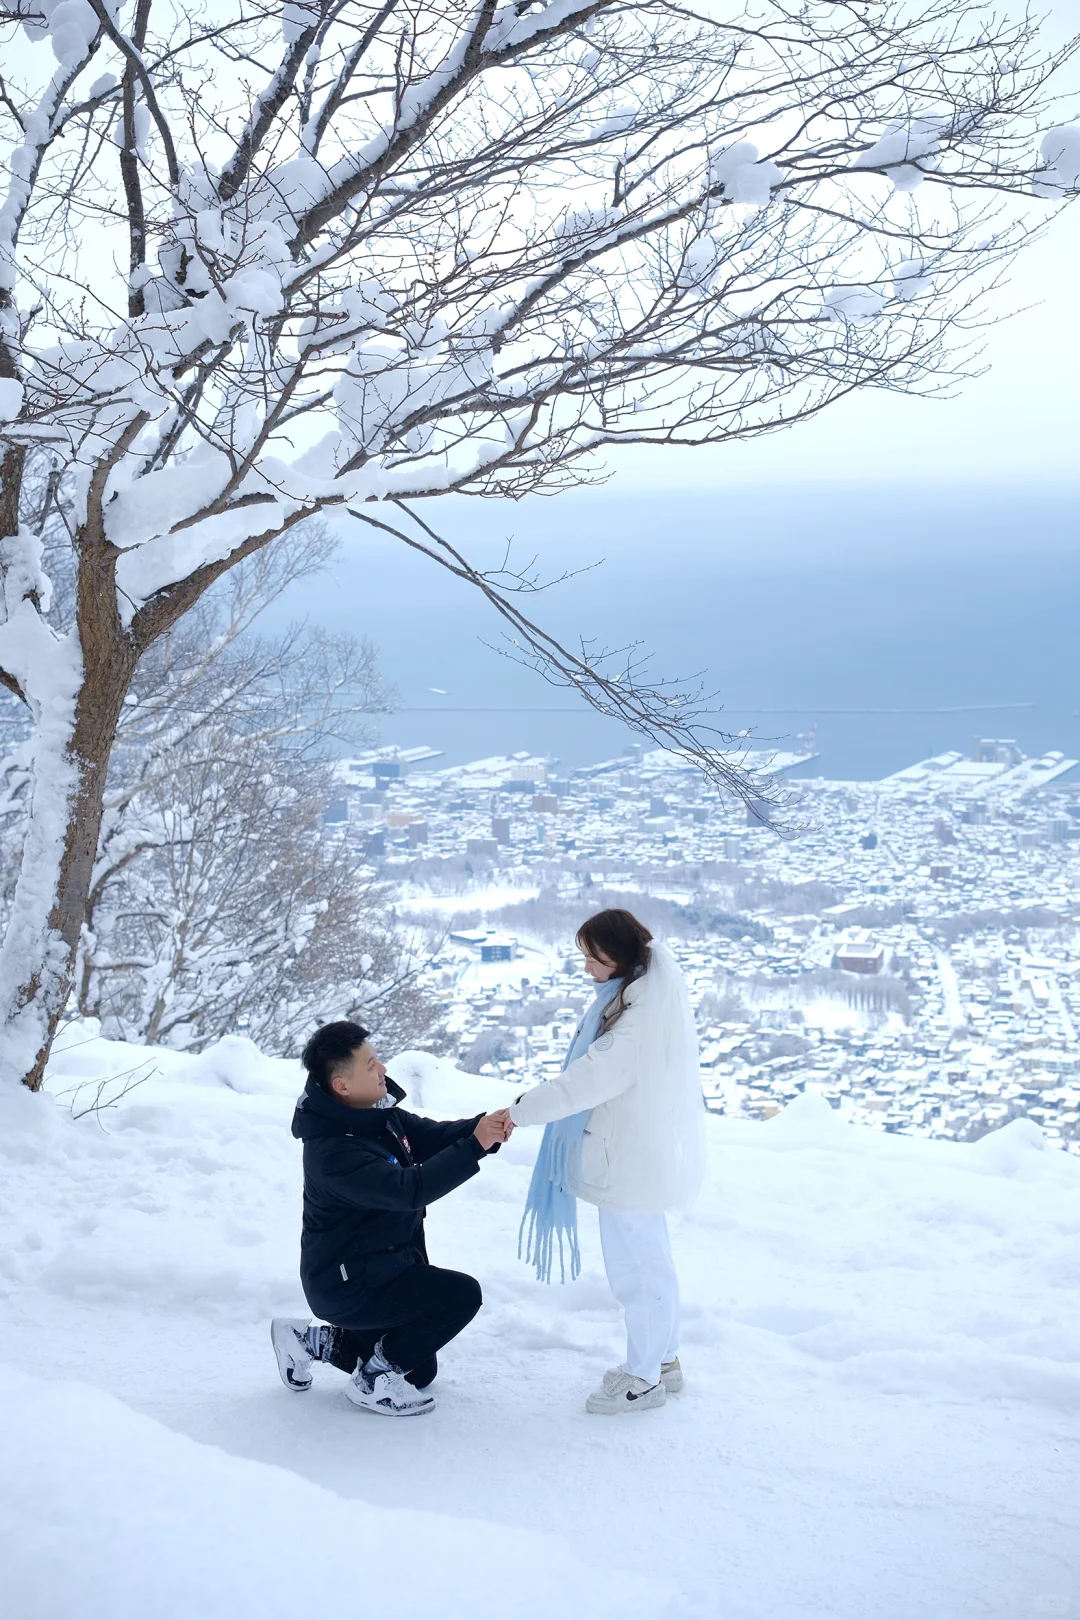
(623,940)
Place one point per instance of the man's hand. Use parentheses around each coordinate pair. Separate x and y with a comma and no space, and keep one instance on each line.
(494,1128)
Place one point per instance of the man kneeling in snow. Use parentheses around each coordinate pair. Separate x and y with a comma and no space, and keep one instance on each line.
(369,1170)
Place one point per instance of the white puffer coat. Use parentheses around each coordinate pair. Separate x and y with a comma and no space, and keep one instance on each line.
(644,1143)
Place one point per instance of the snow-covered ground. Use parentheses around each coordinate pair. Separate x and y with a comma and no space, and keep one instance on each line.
(415,899)
(881,1419)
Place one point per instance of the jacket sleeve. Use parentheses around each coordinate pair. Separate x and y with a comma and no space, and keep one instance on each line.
(375,1183)
(607,1069)
(430,1136)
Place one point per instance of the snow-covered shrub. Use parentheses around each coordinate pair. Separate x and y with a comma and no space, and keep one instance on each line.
(220,900)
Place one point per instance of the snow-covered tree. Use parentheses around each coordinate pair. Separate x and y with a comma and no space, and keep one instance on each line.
(219,899)
(236,910)
(263,262)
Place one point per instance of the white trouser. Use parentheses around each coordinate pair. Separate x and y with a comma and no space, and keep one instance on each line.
(642,1276)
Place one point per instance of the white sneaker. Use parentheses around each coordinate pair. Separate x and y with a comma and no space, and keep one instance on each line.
(671,1376)
(622,1392)
(389,1393)
(288,1335)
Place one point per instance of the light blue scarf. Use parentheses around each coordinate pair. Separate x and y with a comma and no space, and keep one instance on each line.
(551,1208)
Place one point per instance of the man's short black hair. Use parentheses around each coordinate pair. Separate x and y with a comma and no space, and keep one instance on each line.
(330,1048)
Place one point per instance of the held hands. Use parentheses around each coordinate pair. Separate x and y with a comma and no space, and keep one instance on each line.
(494,1128)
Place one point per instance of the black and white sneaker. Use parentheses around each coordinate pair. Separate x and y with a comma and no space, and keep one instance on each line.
(387,1392)
(671,1376)
(289,1337)
(622,1392)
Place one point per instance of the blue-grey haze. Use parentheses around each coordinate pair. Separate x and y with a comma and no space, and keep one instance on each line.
(800,600)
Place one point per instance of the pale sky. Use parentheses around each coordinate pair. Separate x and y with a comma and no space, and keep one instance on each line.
(1018,423)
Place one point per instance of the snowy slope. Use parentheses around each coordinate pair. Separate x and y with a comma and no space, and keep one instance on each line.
(881,1419)
(150,1524)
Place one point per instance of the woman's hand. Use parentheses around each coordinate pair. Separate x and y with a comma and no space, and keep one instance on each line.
(493,1129)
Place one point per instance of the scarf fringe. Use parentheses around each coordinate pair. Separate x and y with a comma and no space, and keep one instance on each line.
(539,1247)
(551,1206)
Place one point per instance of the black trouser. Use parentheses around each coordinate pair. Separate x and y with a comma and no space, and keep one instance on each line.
(414,1315)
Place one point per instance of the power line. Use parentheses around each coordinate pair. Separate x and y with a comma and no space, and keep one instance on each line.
(959,708)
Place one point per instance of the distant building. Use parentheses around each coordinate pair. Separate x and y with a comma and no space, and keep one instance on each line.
(844,912)
(500,829)
(938,871)
(418,833)
(386,764)
(481,846)
(868,840)
(657,824)
(999,771)
(545,803)
(527,771)
(336,812)
(487,944)
(995,751)
(860,956)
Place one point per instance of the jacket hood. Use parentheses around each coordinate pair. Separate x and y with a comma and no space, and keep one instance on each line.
(320,1114)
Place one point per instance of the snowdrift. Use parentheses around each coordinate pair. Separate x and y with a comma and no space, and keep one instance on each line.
(112,1517)
(880,1337)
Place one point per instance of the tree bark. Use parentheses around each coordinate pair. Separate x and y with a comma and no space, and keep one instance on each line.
(45,927)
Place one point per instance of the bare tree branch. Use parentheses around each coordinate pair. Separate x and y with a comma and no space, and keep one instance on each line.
(377,252)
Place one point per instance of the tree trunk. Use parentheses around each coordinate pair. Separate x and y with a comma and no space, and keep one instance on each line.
(71,761)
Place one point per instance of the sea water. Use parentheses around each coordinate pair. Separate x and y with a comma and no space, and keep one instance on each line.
(891,623)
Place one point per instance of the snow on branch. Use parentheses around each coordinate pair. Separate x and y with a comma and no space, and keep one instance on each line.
(272,263)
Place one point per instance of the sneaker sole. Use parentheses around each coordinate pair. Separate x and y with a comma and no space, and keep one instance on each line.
(285,1369)
(389,1411)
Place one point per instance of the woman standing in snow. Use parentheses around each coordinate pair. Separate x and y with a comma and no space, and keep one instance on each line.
(625,1131)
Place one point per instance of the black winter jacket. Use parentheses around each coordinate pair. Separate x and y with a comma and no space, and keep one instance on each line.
(368,1175)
